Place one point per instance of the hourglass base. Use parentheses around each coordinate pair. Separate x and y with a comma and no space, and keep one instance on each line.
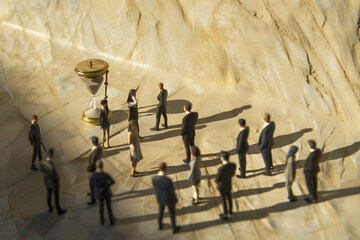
(92,116)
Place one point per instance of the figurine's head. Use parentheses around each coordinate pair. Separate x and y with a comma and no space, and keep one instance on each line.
(312,144)
(103,103)
(162,167)
(132,93)
(188,107)
(242,122)
(161,86)
(266,118)
(34,118)
(224,156)
(94,141)
(195,151)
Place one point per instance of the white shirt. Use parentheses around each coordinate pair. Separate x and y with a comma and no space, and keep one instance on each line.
(160,173)
(187,112)
(312,150)
(242,129)
(266,124)
(225,162)
(132,103)
(93,148)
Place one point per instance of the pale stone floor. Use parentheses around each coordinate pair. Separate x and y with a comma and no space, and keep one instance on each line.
(260,202)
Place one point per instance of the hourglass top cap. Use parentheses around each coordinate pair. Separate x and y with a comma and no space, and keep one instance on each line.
(92,68)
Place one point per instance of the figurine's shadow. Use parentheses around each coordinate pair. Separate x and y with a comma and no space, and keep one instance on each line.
(117,116)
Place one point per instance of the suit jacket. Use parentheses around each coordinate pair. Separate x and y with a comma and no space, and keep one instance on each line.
(312,162)
(104,120)
(34,134)
(102,182)
(94,156)
(223,178)
(51,176)
(164,189)
(162,97)
(242,144)
(188,124)
(290,169)
(266,139)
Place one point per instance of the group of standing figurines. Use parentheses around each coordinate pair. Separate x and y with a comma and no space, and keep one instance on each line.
(100,181)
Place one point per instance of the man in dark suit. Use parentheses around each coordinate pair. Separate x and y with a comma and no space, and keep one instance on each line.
(104,122)
(52,181)
(101,182)
(242,146)
(188,130)
(266,142)
(161,107)
(223,180)
(95,155)
(311,170)
(35,141)
(165,195)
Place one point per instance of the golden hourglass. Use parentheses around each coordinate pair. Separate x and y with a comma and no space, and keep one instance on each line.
(91,73)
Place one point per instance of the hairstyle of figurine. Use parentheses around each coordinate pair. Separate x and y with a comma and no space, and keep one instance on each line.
(266,117)
(188,107)
(195,151)
(224,155)
(94,140)
(312,144)
(132,93)
(162,167)
(242,122)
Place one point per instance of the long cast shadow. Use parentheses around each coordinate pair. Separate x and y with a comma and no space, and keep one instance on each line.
(166,135)
(218,117)
(210,203)
(173,107)
(244,215)
(280,207)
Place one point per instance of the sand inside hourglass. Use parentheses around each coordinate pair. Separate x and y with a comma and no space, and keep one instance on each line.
(93,84)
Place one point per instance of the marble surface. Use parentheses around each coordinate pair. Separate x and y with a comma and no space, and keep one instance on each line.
(297,60)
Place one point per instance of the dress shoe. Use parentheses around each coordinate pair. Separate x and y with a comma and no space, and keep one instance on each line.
(231,213)
(176,229)
(309,200)
(240,176)
(267,173)
(223,216)
(34,168)
(62,211)
(166,127)
(91,203)
(51,209)
(112,221)
(186,161)
(136,172)
(292,199)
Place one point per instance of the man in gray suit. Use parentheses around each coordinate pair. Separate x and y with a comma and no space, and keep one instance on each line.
(95,155)
(165,195)
(101,182)
(52,181)
(35,141)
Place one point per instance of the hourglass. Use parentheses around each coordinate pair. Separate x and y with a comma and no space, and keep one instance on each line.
(91,73)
